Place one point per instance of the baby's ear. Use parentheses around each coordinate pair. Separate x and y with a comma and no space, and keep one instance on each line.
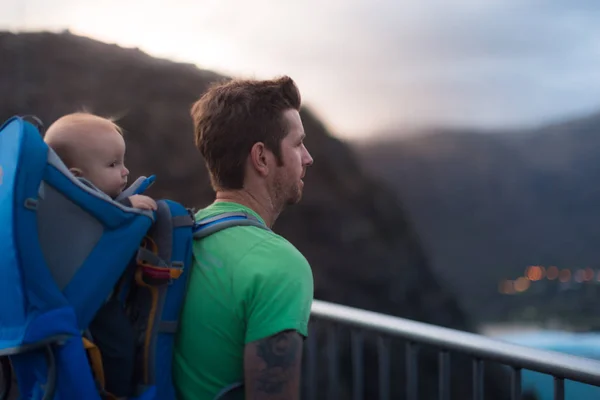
(76,171)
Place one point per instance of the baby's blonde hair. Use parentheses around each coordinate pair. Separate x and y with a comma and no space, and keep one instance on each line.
(64,135)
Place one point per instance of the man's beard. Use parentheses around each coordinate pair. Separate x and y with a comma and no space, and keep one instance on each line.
(294,194)
(286,193)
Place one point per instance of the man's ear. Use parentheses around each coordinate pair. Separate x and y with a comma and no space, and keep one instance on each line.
(259,158)
(76,171)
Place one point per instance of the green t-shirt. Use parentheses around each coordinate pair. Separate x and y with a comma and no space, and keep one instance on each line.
(246,283)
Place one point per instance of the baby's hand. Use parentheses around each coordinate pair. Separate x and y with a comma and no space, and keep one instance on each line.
(143,202)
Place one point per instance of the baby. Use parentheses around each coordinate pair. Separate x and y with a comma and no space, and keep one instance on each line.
(93,148)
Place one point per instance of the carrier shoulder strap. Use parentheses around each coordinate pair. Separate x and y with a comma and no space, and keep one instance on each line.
(155,291)
(207,226)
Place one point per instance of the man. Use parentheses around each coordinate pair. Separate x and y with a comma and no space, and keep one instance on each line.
(247,307)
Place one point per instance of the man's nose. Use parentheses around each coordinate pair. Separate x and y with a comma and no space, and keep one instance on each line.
(309,159)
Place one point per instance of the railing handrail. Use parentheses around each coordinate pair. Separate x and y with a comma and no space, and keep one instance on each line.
(550,362)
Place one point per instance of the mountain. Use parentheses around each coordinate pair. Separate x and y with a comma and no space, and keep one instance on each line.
(487,206)
(352,229)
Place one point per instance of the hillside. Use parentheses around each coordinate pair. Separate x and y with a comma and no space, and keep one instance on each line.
(353,230)
(487,206)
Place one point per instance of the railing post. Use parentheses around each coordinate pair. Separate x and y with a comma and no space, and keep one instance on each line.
(515,378)
(357,365)
(477,379)
(383,356)
(559,388)
(412,372)
(444,375)
(333,361)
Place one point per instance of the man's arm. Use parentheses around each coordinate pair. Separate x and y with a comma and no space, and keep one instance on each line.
(272,367)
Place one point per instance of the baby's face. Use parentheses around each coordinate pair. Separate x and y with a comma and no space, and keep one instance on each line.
(103,162)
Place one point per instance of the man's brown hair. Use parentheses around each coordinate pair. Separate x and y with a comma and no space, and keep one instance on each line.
(234,115)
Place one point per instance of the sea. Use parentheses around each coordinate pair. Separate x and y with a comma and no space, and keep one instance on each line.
(582,344)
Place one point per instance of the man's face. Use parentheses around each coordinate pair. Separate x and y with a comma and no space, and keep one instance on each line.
(287,182)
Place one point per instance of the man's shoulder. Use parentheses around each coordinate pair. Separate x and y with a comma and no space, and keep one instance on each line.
(275,249)
(273,262)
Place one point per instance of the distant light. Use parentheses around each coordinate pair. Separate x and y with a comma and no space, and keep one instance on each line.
(534,273)
(522,284)
(589,274)
(506,287)
(564,275)
(552,273)
(580,276)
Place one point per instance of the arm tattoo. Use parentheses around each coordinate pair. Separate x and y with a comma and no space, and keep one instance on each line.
(280,354)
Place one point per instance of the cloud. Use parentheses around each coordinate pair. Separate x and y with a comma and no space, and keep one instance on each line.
(371,64)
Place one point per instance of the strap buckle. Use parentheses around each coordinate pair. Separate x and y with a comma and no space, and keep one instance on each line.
(155,268)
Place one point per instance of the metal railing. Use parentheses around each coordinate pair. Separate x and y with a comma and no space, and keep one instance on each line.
(446,341)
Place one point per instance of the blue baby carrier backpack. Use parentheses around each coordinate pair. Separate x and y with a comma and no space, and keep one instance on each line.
(71,260)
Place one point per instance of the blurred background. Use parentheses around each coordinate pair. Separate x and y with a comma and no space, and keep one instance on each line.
(456,177)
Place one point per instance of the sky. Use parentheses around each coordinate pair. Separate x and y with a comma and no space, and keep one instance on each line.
(368,66)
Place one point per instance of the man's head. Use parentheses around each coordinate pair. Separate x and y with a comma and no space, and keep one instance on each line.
(250,133)
(91,147)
